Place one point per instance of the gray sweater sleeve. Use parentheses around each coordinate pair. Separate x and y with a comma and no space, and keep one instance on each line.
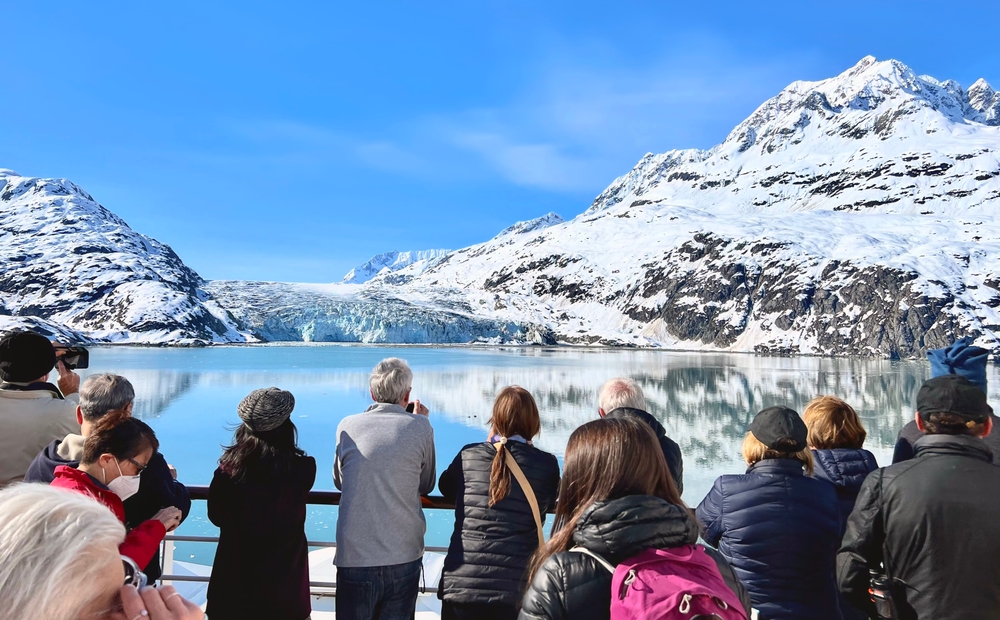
(428,469)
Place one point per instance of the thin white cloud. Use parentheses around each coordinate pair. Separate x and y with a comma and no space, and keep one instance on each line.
(575,123)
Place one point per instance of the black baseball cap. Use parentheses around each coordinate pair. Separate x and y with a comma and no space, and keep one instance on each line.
(25,356)
(780,428)
(953,394)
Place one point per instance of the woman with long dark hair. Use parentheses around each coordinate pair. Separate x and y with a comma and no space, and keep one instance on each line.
(258,500)
(495,527)
(616,500)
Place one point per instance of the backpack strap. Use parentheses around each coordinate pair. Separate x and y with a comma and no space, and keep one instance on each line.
(600,560)
(529,493)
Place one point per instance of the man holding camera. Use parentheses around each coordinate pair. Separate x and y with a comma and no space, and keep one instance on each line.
(33,412)
(931,522)
(384,463)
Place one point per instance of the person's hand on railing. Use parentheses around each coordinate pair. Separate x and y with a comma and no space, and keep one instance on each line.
(158,604)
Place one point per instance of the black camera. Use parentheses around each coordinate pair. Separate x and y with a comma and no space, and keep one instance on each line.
(73,357)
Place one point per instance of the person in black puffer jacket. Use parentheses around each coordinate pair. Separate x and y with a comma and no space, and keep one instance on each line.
(495,534)
(779,528)
(617,500)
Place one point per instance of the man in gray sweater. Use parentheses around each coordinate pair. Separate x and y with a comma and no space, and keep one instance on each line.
(384,463)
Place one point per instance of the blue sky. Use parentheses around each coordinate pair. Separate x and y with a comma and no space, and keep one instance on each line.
(292,141)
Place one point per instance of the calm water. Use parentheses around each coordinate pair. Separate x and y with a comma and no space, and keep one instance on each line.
(705,400)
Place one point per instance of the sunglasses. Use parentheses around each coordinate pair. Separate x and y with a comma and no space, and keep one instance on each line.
(133,576)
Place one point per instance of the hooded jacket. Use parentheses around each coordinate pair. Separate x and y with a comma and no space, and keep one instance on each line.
(31,416)
(574,586)
(780,530)
(142,541)
(671,451)
(487,559)
(846,470)
(932,523)
(157,487)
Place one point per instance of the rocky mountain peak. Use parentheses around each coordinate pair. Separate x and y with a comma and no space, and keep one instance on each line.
(984,102)
(69,260)
(538,223)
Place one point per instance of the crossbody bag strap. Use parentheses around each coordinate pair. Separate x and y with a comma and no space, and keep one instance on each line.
(602,561)
(529,493)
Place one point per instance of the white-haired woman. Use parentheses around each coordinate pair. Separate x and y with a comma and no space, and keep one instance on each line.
(59,560)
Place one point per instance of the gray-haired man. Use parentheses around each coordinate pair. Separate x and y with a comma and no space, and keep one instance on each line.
(622,397)
(384,463)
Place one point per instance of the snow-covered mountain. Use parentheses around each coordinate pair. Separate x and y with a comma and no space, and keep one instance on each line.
(856,215)
(388,262)
(73,269)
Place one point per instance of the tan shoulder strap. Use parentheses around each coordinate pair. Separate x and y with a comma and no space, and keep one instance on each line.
(526,488)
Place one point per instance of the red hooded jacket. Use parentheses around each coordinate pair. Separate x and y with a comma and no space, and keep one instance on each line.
(142,541)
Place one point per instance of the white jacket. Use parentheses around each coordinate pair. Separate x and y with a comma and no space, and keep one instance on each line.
(29,421)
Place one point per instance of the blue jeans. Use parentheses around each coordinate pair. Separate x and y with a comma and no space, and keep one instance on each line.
(378,592)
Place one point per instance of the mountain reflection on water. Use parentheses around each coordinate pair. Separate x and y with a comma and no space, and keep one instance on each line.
(705,401)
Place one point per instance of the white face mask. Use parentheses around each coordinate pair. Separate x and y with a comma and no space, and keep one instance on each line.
(124,486)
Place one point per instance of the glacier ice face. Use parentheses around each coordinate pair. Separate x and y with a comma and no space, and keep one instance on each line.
(279,311)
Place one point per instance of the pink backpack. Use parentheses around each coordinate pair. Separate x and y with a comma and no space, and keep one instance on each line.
(682,583)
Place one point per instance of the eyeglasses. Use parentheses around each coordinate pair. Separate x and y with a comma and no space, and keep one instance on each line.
(138,466)
(133,576)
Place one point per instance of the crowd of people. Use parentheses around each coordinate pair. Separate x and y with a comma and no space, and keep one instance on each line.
(813,529)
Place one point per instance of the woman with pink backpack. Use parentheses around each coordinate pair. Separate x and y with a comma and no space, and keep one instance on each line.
(624,544)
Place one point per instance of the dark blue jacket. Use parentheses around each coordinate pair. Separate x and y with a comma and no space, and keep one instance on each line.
(845,469)
(780,530)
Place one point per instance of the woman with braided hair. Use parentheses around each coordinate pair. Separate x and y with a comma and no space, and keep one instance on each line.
(497,528)
(258,500)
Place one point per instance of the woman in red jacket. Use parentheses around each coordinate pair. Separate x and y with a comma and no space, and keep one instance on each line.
(114,455)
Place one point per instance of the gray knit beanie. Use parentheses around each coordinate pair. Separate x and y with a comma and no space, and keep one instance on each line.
(266,409)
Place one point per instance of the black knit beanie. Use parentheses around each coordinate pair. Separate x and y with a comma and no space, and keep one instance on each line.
(25,356)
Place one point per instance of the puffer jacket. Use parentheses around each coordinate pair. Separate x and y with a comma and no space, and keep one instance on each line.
(574,586)
(845,469)
(488,557)
(780,530)
(932,522)
(671,451)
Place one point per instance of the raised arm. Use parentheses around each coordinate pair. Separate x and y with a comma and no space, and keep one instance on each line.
(428,469)
(451,479)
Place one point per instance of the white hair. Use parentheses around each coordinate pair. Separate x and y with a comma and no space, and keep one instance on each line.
(390,381)
(621,392)
(50,542)
(105,392)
